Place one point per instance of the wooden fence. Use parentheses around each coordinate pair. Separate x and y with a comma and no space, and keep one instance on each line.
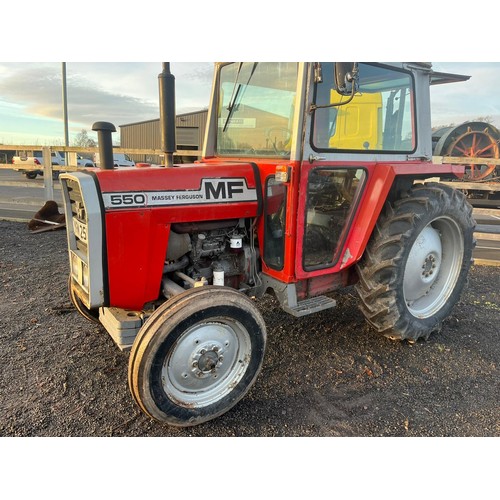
(49,186)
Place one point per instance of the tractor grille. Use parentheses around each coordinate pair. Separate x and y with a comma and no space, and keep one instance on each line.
(79,215)
(85,237)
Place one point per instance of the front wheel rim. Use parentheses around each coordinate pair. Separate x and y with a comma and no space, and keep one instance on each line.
(433,267)
(206,363)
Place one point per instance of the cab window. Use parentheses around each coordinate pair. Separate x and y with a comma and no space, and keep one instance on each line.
(274,225)
(256,107)
(332,196)
(379,117)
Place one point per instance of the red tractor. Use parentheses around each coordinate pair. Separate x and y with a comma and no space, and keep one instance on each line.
(307,185)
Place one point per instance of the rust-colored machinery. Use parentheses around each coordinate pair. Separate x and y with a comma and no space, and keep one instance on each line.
(478,143)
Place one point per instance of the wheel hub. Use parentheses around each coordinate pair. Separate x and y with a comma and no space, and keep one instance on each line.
(429,267)
(207,360)
(433,267)
(423,264)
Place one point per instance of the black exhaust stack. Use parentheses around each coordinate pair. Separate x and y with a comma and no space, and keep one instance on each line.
(166,83)
(104,131)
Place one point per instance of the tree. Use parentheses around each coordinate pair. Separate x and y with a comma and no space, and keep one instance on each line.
(83,140)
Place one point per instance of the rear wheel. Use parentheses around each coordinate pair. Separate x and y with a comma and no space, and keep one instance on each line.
(416,264)
(197,356)
(476,144)
(30,175)
(470,140)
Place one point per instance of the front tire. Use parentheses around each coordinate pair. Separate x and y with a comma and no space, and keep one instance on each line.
(197,356)
(90,315)
(416,263)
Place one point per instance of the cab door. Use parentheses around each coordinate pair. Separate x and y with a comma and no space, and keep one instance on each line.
(359,128)
(331,184)
(330,195)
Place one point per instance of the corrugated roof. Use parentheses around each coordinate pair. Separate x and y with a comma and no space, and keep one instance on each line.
(157,119)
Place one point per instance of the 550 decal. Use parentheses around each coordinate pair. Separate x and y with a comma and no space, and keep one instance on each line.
(210,191)
(127,200)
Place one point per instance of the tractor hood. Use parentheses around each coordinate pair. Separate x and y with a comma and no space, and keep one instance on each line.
(199,185)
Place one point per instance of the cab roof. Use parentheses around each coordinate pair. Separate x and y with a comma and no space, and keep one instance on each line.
(438,78)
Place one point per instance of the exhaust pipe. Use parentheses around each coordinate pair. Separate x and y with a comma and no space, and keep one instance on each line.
(104,131)
(166,82)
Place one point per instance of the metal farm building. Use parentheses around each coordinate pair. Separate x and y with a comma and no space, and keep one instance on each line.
(190,132)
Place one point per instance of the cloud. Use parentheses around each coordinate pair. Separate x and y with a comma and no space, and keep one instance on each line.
(200,72)
(477,97)
(127,92)
(118,92)
(38,91)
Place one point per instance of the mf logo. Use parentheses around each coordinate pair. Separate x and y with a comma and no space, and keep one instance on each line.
(223,189)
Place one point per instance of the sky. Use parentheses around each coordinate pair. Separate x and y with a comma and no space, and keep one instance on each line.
(31,97)
(109,50)
(31,109)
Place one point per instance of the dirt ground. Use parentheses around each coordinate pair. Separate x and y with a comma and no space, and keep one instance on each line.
(329,374)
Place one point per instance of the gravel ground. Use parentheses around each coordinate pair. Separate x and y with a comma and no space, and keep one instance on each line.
(325,375)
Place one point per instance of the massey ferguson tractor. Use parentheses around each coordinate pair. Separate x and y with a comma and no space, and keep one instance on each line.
(312,179)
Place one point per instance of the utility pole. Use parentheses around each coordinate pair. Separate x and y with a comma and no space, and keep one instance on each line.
(65,110)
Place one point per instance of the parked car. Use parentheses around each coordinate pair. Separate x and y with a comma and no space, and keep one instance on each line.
(25,158)
(84,162)
(119,160)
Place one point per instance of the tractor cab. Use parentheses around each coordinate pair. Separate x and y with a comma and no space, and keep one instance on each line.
(294,110)
(323,137)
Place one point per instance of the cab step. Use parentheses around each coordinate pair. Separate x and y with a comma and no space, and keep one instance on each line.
(311,305)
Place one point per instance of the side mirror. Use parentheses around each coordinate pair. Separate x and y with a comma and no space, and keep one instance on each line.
(346,77)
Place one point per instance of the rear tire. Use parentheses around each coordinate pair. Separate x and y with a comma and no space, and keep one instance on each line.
(197,356)
(416,263)
(30,175)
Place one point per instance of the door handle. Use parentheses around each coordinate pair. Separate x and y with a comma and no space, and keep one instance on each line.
(313,158)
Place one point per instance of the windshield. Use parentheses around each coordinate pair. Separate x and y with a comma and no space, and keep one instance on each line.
(256,108)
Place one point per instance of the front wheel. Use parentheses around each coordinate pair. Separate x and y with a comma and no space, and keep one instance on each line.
(90,315)
(197,356)
(416,263)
